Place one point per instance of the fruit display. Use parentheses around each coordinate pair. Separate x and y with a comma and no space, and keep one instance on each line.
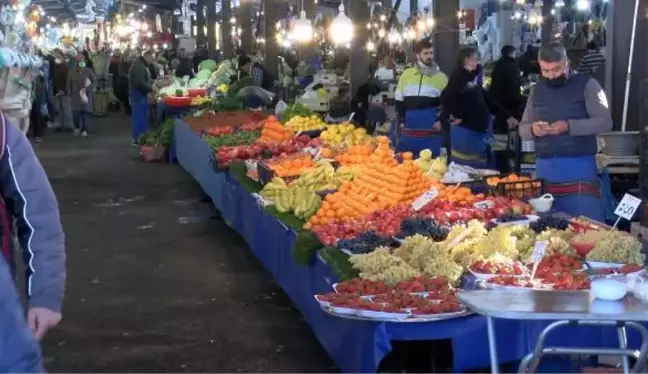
(290,166)
(618,248)
(625,269)
(345,173)
(206,119)
(495,180)
(364,243)
(230,139)
(549,222)
(273,188)
(305,123)
(424,226)
(511,217)
(225,155)
(344,134)
(458,205)
(433,168)
(381,265)
(498,267)
(200,101)
(321,178)
(274,132)
(355,155)
(555,265)
(428,257)
(300,201)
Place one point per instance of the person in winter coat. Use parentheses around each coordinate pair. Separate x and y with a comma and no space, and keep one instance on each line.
(59,72)
(80,83)
(140,86)
(39,113)
(468,107)
(27,197)
(20,350)
(505,89)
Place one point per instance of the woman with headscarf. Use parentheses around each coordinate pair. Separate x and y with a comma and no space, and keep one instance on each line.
(466,104)
(80,83)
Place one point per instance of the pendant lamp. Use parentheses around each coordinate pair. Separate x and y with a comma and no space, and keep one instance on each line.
(341,31)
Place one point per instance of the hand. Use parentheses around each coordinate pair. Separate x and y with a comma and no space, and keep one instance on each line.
(454,121)
(436,126)
(558,128)
(512,122)
(40,320)
(540,128)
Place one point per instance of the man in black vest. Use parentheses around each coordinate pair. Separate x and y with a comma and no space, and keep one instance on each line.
(563,115)
(262,78)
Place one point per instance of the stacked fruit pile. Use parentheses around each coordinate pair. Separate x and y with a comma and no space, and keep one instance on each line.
(344,134)
(355,155)
(305,123)
(321,178)
(290,166)
(274,132)
(300,201)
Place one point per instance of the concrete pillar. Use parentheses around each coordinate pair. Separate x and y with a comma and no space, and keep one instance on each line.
(245,20)
(226,29)
(271,48)
(211,26)
(200,22)
(446,36)
(548,20)
(359,57)
(617,50)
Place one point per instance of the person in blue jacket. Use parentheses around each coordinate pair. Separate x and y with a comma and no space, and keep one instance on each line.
(564,114)
(26,196)
(19,350)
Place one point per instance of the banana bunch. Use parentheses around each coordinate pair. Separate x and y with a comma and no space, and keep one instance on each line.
(272,190)
(345,173)
(322,177)
(299,200)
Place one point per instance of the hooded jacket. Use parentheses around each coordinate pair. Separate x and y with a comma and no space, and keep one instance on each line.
(27,196)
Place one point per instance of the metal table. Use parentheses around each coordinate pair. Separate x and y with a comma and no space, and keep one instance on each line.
(567,308)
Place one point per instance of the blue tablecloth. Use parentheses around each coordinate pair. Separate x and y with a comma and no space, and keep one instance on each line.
(357,346)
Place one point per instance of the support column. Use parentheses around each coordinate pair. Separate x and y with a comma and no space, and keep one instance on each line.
(359,57)
(211,26)
(446,34)
(200,22)
(306,50)
(226,29)
(548,20)
(271,10)
(245,18)
(617,51)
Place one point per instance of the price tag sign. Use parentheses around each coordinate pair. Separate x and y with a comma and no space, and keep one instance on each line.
(538,251)
(428,196)
(627,207)
(484,205)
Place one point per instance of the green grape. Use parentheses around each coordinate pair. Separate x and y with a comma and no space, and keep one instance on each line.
(616,247)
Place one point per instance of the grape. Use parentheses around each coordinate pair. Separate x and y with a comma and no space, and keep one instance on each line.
(511,217)
(381,265)
(423,226)
(616,247)
(549,222)
(364,243)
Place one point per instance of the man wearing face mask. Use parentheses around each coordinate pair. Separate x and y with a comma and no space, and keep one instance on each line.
(469,109)
(417,101)
(563,115)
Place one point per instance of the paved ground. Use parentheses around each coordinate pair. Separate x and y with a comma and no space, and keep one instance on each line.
(154,284)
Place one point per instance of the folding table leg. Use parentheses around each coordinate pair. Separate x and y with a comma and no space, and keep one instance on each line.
(492,345)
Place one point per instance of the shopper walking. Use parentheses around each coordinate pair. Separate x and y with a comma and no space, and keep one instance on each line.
(563,115)
(60,72)
(417,101)
(140,86)
(505,89)
(20,351)
(469,109)
(80,85)
(39,113)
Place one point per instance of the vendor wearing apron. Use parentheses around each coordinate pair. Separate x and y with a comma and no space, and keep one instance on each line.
(563,115)
(140,86)
(417,100)
(469,109)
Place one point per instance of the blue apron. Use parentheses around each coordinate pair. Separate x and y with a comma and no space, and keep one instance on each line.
(471,148)
(574,182)
(417,134)
(139,113)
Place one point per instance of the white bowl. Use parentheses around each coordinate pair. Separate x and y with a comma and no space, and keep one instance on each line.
(543,203)
(609,289)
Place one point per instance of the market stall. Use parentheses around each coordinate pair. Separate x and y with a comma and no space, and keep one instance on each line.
(328,198)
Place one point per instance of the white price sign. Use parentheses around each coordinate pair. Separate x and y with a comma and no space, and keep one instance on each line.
(484,205)
(428,196)
(627,207)
(538,251)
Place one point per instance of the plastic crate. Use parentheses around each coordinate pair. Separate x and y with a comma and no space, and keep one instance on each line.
(266,174)
(527,189)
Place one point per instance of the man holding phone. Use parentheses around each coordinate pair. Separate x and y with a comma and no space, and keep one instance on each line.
(563,115)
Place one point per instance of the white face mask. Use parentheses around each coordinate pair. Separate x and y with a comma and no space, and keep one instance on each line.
(58,60)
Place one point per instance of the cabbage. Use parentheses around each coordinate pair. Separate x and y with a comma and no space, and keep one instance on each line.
(197,82)
(204,74)
(210,65)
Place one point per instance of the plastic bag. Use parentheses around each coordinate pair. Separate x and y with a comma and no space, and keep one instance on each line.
(84,97)
(280,108)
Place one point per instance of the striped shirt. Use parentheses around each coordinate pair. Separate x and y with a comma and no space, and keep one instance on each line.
(591,62)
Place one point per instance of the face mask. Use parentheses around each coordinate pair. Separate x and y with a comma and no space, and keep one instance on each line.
(556,82)
(58,60)
(82,64)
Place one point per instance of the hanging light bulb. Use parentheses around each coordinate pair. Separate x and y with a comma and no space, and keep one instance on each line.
(381,33)
(583,5)
(303,28)
(411,34)
(370,46)
(341,30)
(430,22)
